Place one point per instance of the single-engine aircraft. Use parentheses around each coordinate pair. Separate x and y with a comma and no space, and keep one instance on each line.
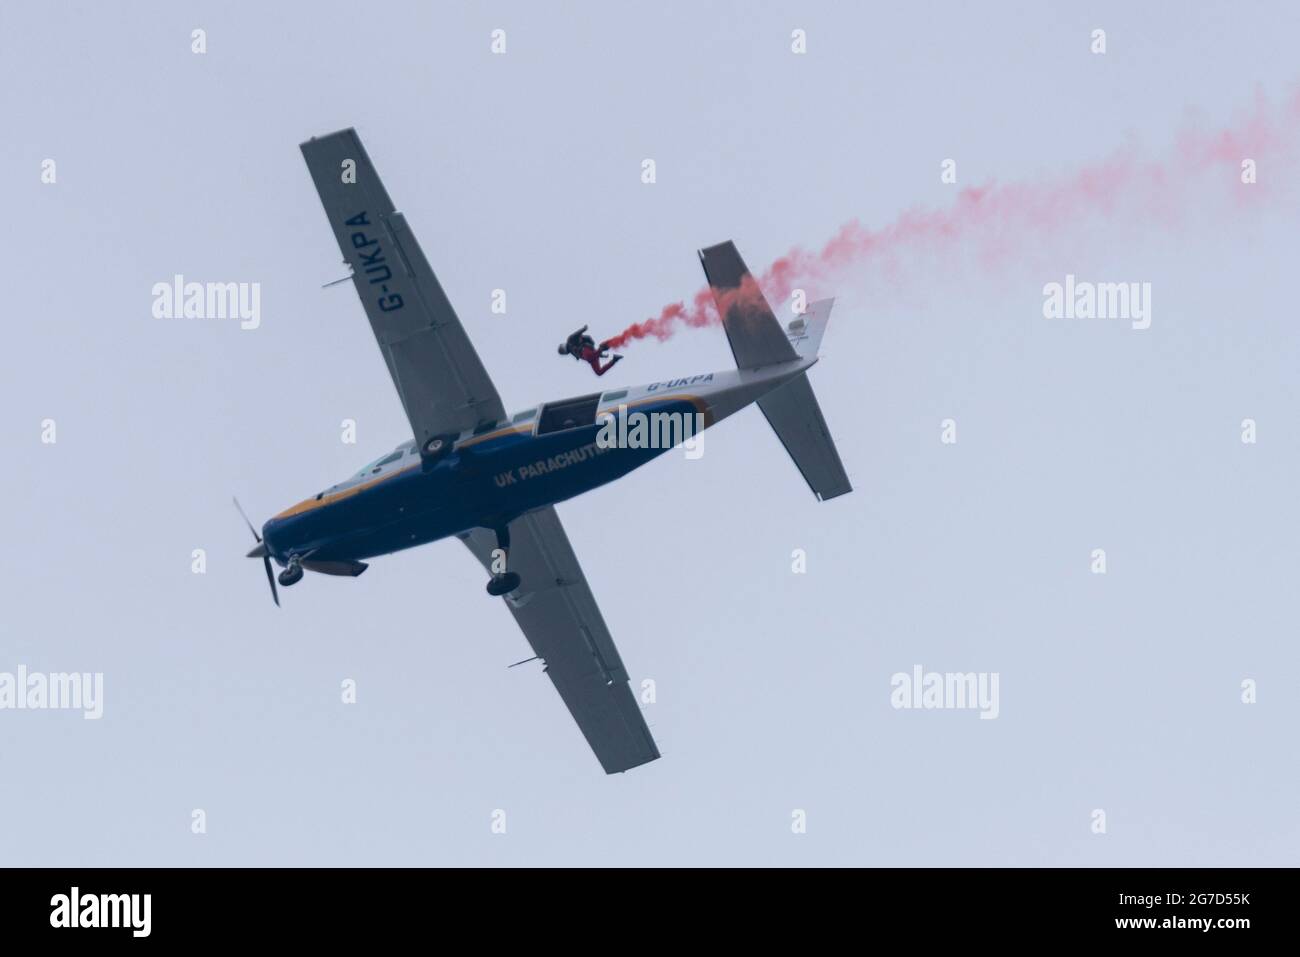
(492,480)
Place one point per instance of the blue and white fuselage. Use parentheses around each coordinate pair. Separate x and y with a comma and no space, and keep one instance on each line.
(488,478)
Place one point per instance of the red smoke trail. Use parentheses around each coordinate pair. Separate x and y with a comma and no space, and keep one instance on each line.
(1003,222)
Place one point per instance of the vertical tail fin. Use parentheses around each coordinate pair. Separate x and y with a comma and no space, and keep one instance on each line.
(805,333)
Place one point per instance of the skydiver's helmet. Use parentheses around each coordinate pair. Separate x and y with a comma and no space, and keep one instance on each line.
(564,350)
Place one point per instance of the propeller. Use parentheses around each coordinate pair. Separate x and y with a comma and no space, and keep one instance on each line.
(260,552)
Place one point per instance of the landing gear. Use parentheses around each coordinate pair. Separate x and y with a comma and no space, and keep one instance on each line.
(503,583)
(435,450)
(292,573)
(437,447)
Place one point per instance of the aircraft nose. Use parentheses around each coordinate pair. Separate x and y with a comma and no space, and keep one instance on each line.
(266,544)
(276,530)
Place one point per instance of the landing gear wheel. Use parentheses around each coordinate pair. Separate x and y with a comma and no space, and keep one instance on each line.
(437,446)
(503,584)
(291,575)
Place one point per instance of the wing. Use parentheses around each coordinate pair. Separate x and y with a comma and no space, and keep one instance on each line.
(440,379)
(559,617)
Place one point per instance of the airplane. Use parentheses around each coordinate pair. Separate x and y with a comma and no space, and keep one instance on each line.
(492,480)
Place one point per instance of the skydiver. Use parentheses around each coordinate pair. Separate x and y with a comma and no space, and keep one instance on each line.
(583,348)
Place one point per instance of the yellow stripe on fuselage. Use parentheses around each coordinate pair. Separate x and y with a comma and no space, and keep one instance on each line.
(311,503)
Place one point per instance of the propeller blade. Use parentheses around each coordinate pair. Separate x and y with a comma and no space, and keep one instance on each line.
(260,552)
(270,576)
(246,521)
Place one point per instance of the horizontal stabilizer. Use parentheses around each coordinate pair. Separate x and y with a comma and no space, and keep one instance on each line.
(756,336)
(796,418)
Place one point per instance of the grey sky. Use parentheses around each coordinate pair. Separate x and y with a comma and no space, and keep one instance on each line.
(1119,692)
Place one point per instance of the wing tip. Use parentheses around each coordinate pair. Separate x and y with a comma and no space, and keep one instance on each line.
(833,493)
(616,769)
(346,131)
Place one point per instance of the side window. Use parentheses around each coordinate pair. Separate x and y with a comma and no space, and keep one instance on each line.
(387,460)
(568,414)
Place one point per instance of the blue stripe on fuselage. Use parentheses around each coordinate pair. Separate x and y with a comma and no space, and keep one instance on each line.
(493,479)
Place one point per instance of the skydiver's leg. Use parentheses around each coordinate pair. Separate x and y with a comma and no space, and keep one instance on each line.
(608,365)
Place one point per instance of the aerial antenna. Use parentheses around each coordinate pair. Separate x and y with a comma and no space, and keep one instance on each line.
(335,282)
